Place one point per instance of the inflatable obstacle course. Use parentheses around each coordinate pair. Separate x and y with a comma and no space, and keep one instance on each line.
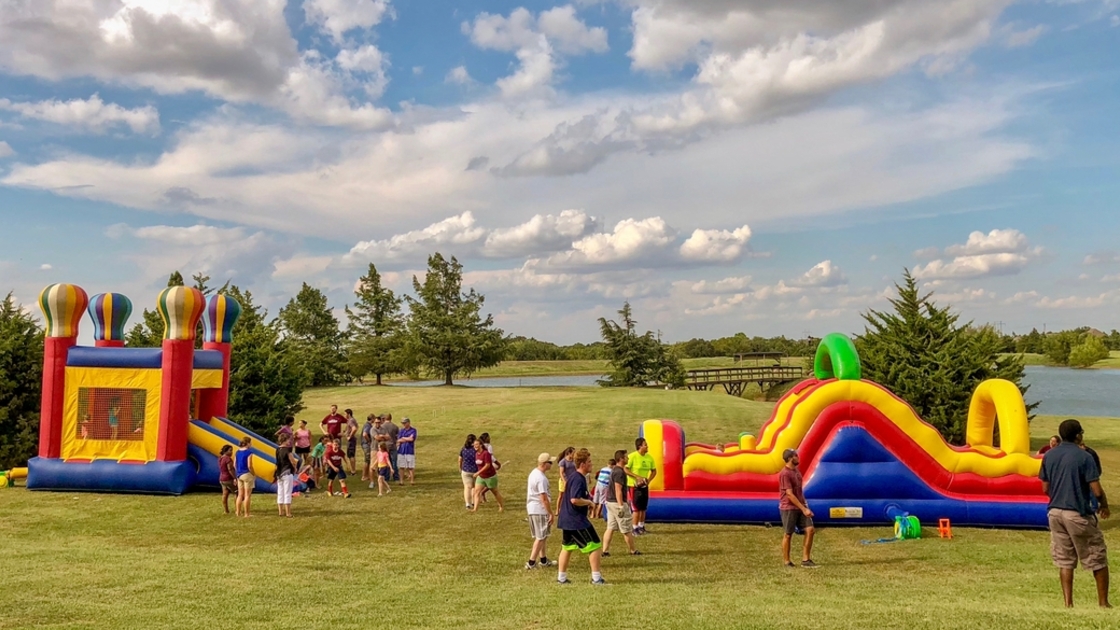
(865,455)
(147,420)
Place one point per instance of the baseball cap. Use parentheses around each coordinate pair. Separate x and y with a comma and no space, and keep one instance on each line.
(405,421)
(545,457)
(788,454)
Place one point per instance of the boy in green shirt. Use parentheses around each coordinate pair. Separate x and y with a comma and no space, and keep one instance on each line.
(640,470)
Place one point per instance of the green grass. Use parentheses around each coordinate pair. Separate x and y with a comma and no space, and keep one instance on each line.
(1112,362)
(415,559)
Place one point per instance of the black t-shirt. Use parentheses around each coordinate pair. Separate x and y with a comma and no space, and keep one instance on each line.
(284,462)
(573,517)
(1069,471)
(618,476)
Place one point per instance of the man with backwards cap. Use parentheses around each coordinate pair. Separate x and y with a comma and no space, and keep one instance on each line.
(538,503)
(795,511)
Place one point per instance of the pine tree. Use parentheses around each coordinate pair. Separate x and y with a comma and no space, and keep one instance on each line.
(266,377)
(312,331)
(920,353)
(376,329)
(21,377)
(637,360)
(447,334)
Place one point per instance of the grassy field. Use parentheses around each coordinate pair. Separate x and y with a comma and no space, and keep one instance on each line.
(415,559)
(1112,362)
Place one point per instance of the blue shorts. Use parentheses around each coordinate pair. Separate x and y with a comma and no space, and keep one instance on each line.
(383,472)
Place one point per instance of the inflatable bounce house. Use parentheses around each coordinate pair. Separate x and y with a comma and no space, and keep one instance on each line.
(118,419)
(866,457)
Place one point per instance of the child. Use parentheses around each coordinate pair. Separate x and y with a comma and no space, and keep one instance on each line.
(335,458)
(317,460)
(602,483)
(227,475)
(384,469)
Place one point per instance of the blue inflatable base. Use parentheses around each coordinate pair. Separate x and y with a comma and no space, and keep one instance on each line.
(109,476)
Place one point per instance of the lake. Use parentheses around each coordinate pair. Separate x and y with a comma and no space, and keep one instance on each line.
(1062,391)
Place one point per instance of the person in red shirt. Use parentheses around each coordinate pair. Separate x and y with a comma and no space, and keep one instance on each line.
(335,458)
(227,475)
(487,476)
(794,509)
(332,424)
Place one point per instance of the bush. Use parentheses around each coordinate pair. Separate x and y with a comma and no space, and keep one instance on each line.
(1087,352)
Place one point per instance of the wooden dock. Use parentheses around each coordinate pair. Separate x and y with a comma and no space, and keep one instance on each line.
(734,378)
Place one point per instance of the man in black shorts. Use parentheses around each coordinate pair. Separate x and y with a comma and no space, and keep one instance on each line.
(579,535)
(795,511)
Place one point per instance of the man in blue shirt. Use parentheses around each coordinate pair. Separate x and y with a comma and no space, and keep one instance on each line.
(1069,477)
(406,452)
(578,532)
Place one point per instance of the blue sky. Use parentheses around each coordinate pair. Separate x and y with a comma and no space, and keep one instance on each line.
(726,166)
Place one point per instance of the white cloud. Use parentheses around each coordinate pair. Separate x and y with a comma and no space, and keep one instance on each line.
(735,284)
(535,41)
(91,114)
(459,76)
(236,253)
(716,245)
(338,17)
(6,150)
(1081,301)
(999,252)
(45,267)
(1026,37)
(630,241)
(540,235)
(823,274)
(456,231)
(1102,258)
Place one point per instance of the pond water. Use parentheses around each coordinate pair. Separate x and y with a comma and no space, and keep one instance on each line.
(1062,391)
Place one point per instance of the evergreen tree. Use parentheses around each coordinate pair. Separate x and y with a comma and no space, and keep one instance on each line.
(919,352)
(266,378)
(1088,352)
(1059,345)
(312,331)
(447,334)
(636,360)
(21,379)
(376,329)
(149,332)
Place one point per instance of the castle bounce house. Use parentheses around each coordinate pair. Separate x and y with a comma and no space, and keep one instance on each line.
(866,458)
(142,420)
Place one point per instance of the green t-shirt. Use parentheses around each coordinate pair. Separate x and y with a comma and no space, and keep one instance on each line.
(319,449)
(641,465)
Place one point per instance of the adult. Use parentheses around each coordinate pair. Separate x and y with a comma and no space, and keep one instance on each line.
(389,434)
(227,475)
(332,424)
(367,450)
(576,527)
(1054,441)
(406,452)
(286,466)
(538,504)
(303,443)
(794,510)
(336,460)
(487,476)
(1070,477)
(619,518)
(243,468)
(467,469)
(351,441)
(640,470)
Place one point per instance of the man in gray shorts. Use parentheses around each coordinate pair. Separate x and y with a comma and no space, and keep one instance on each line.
(619,518)
(795,511)
(1069,475)
(538,503)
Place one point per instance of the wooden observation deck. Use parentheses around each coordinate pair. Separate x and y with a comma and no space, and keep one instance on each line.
(734,378)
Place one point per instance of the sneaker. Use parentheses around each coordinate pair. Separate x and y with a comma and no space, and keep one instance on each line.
(529,566)
(790,565)
(546,563)
(470,507)
(808,564)
(564,581)
(372,486)
(635,553)
(599,582)
(338,494)
(346,496)
(606,554)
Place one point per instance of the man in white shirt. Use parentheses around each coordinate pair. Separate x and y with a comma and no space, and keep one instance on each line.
(538,504)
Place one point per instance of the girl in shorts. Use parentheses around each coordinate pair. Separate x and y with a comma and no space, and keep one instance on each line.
(227,475)
(243,467)
(384,469)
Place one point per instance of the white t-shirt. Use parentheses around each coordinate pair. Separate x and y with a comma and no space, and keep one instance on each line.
(538,485)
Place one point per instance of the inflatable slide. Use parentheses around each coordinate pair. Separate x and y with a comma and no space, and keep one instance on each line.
(865,455)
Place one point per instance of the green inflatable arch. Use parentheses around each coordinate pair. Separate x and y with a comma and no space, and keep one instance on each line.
(837,358)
